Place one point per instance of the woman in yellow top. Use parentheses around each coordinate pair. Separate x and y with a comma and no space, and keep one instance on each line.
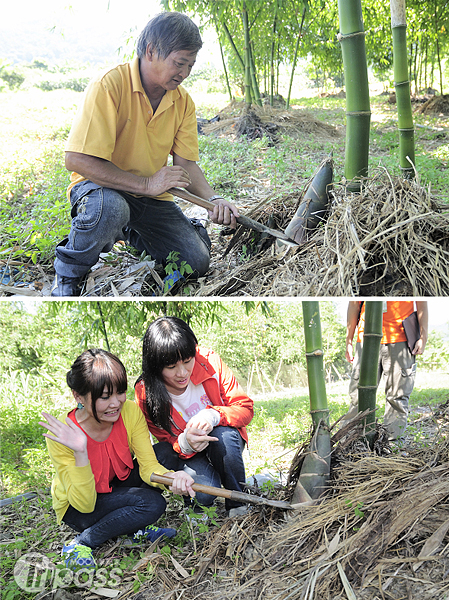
(99,490)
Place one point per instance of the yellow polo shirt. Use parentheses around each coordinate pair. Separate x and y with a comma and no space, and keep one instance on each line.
(116,122)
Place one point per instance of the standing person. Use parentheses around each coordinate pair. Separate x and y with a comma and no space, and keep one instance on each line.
(132,118)
(195,408)
(99,490)
(396,361)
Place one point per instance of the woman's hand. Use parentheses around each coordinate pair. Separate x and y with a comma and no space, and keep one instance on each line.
(182,483)
(68,434)
(205,420)
(198,438)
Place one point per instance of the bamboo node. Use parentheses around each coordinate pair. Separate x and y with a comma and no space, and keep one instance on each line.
(353,113)
(344,36)
(318,352)
(398,83)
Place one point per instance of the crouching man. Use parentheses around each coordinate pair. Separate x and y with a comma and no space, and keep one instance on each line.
(131,119)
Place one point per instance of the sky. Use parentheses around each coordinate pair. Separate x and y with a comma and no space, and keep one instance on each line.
(93,23)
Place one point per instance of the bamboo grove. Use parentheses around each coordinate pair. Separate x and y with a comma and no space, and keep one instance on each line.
(259,39)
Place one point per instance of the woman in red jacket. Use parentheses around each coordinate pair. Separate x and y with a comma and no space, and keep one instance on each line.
(194,407)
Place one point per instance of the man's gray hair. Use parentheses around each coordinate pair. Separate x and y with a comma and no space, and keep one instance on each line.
(169,32)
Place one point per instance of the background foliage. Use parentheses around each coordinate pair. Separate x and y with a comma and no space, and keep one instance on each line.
(261,341)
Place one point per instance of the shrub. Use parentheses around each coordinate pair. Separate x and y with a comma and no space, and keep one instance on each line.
(12,78)
(77,84)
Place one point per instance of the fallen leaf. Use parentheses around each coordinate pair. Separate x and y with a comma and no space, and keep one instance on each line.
(179,567)
(432,544)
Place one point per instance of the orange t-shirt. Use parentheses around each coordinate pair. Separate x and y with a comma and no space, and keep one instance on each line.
(392,329)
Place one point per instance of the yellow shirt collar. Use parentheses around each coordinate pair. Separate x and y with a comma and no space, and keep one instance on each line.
(169,97)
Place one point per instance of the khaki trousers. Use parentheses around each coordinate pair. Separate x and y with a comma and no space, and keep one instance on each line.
(397,367)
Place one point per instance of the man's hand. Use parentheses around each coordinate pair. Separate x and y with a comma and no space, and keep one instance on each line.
(349,351)
(224,213)
(166,178)
(419,347)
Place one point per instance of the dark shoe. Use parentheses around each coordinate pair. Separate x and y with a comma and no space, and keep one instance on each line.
(153,533)
(65,286)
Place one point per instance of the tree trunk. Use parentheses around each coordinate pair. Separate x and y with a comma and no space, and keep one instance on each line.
(315,470)
(367,388)
(402,87)
(358,113)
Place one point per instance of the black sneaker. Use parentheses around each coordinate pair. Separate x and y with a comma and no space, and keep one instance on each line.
(65,286)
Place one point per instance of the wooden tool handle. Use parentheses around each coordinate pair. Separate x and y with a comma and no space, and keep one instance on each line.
(185,195)
(198,487)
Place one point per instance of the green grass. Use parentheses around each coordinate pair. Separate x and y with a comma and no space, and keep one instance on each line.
(280,424)
(34,210)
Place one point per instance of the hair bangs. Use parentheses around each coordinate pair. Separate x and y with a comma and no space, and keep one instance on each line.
(107,372)
(175,349)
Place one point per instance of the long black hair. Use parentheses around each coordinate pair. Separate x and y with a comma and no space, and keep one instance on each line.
(167,341)
(94,370)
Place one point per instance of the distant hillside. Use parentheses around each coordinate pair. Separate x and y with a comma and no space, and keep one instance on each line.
(23,42)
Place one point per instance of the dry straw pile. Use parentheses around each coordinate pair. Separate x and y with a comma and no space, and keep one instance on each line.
(380,532)
(391,239)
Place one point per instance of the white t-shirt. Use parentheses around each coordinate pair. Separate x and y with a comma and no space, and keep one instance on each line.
(191,401)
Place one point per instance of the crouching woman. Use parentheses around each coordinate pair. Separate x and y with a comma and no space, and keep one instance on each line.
(195,408)
(99,490)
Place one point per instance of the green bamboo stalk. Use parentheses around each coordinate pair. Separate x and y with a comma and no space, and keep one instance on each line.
(233,46)
(254,84)
(295,57)
(402,87)
(273,44)
(248,92)
(250,71)
(228,85)
(315,470)
(369,361)
(358,113)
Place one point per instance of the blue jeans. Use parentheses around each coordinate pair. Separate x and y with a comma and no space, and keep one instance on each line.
(102,216)
(130,506)
(221,463)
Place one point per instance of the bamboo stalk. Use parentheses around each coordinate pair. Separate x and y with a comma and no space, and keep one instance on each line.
(248,92)
(315,470)
(367,388)
(295,58)
(223,59)
(273,44)
(402,87)
(358,113)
